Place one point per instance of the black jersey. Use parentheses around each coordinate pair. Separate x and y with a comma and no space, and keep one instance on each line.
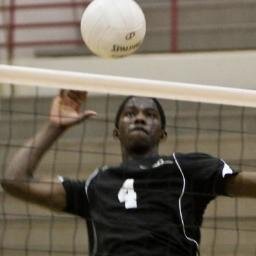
(150,207)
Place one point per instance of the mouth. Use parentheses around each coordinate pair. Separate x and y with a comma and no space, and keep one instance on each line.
(139,129)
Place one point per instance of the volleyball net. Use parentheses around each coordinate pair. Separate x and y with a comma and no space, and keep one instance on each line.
(215,120)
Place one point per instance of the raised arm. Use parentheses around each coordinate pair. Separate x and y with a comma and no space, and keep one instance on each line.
(242,185)
(20,180)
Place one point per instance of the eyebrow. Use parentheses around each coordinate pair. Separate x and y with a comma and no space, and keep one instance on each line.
(135,107)
(151,109)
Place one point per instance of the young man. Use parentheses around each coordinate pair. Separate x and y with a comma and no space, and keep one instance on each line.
(147,205)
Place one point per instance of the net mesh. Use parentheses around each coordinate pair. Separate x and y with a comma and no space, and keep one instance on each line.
(229,226)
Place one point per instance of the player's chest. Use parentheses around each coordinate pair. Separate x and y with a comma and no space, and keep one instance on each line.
(142,188)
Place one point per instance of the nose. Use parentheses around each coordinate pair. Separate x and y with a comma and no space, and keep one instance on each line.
(140,118)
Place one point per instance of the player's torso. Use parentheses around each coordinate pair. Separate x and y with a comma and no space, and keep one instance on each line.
(138,204)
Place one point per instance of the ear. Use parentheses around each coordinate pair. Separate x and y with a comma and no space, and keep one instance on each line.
(116,133)
(163,135)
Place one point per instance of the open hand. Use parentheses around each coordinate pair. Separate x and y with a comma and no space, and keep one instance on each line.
(66,108)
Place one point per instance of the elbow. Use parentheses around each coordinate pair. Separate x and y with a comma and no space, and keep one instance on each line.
(3,184)
(14,187)
(10,184)
(7,184)
(15,180)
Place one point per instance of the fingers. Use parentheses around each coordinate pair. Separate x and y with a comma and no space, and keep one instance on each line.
(87,114)
(72,98)
(77,96)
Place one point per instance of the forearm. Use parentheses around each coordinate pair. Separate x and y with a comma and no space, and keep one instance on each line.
(25,161)
(242,185)
(18,178)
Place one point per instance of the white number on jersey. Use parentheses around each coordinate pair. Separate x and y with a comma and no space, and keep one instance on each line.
(127,194)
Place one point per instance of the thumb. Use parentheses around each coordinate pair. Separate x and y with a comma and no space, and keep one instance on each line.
(87,114)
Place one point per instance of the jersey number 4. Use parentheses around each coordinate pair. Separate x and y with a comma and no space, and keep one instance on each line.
(127,195)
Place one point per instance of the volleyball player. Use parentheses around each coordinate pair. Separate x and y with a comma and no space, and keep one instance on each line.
(147,205)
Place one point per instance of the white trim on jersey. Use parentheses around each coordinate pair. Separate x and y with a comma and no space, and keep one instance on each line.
(180,199)
(60,178)
(226,169)
(95,241)
(89,179)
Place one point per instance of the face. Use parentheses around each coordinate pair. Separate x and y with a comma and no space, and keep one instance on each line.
(139,126)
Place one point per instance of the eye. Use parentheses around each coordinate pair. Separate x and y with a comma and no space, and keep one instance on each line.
(129,113)
(152,114)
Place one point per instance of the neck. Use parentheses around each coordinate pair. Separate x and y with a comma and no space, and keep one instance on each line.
(126,155)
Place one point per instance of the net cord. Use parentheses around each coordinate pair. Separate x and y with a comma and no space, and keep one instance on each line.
(118,85)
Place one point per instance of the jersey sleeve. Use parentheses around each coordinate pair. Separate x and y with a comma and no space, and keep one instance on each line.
(76,198)
(206,174)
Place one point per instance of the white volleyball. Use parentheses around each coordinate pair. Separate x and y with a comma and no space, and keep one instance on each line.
(113,28)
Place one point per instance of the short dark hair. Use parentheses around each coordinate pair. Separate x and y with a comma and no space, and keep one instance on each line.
(158,105)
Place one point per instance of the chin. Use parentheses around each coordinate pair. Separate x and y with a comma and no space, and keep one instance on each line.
(139,146)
